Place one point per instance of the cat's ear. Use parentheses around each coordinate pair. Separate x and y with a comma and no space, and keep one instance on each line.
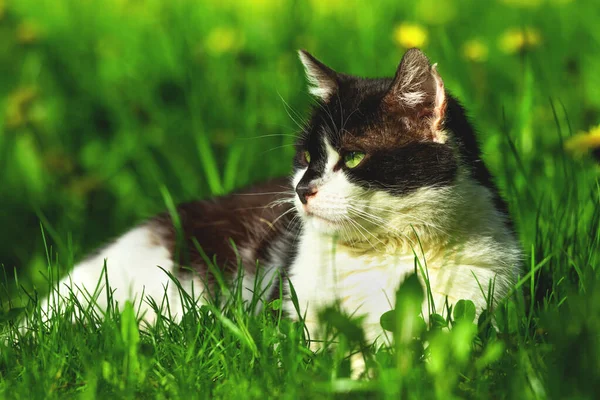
(323,81)
(418,91)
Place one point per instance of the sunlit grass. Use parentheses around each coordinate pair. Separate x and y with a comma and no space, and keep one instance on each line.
(109,114)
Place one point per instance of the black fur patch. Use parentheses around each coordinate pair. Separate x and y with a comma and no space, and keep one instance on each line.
(252,218)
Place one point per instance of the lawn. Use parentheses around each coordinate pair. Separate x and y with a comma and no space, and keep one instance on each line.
(110,110)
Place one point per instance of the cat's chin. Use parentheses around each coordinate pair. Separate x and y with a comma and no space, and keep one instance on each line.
(322,225)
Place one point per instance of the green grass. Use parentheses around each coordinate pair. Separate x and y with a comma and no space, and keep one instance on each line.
(113,110)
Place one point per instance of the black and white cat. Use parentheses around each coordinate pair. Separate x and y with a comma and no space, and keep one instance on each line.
(383,168)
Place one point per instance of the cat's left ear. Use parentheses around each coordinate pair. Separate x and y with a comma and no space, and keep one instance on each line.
(418,91)
(323,80)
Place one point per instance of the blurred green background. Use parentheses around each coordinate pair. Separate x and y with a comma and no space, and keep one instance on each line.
(104,102)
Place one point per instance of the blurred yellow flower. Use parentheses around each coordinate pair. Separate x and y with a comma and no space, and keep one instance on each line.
(410,35)
(584,142)
(523,3)
(475,50)
(18,105)
(223,40)
(27,32)
(515,39)
(2,9)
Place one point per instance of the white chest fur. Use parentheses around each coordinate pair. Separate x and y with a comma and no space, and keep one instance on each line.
(364,282)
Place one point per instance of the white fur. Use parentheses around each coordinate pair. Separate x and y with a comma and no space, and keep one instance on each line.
(412,93)
(264,283)
(132,264)
(320,85)
(411,84)
(358,245)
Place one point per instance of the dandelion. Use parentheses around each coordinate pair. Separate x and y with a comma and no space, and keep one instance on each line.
(410,35)
(475,50)
(585,142)
(515,40)
(223,40)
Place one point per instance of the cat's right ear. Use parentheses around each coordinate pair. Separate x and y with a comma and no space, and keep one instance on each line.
(323,81)
(418,90)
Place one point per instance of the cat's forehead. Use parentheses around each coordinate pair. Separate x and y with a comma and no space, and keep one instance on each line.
(356,118)
(359,94)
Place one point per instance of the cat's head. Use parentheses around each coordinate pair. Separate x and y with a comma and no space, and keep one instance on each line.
(376,153)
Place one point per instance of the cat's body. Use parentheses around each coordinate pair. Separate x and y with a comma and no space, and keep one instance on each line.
(429,196)
(386,171)
(250,228)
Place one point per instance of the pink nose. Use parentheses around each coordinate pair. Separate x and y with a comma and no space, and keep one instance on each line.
(305,192)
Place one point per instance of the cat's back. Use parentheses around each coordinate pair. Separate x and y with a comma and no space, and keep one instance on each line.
(242,225)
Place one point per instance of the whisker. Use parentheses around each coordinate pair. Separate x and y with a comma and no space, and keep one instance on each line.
(289,110)
(362,212)
(268,136)
(380,222)
(327,111)
(399,213)
(280,202)
(277,147)
(283,215)
(261,193)
(358,226)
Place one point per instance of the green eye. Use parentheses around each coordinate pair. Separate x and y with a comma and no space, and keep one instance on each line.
(353,158)
(307,156)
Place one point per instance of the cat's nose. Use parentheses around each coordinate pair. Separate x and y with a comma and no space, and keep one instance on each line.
(305,192)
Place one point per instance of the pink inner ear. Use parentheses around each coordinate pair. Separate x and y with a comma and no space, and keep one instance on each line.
(440,100)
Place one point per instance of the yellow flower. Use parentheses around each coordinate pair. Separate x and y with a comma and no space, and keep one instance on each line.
(410,35)
(584,142)
(27,32)
(475,50)
(523,3)
(223,40)
(515,40)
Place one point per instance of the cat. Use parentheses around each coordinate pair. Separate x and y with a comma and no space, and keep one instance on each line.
(385,170)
